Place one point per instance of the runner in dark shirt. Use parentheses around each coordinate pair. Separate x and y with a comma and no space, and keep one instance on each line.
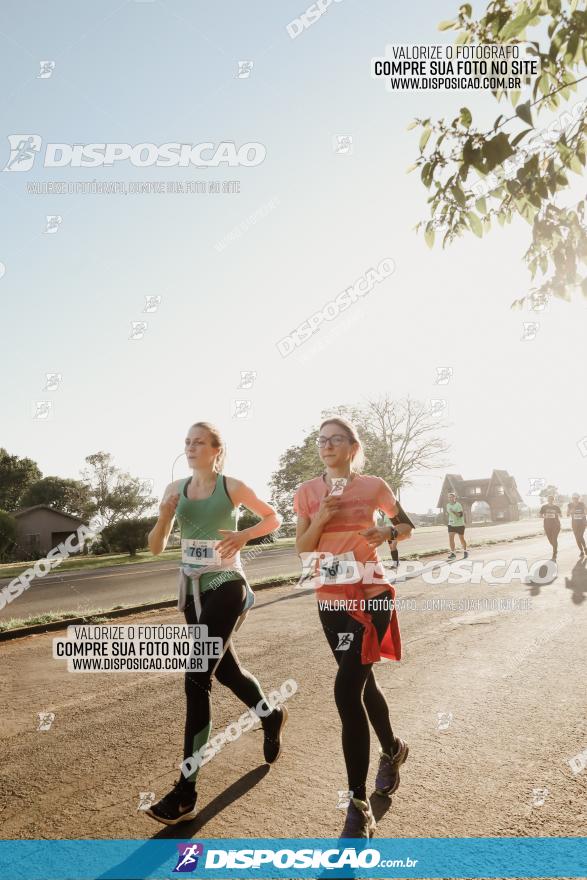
(577,510)
(551,514)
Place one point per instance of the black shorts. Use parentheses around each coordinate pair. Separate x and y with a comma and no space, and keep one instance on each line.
(458,530)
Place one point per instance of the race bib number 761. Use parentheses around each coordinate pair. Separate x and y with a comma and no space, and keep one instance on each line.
(199,553)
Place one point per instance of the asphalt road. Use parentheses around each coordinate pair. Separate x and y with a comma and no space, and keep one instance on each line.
(508,685)
(141,583)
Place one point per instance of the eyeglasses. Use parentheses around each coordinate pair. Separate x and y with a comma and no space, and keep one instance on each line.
(335,440)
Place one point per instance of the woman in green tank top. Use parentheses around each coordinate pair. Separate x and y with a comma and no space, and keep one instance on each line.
(215,594)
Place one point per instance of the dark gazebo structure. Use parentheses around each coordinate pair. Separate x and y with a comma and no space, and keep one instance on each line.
(499,491)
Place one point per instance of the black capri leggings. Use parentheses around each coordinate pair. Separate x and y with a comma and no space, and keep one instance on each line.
(552,529)
(358,697)
(221,609)
(579,533)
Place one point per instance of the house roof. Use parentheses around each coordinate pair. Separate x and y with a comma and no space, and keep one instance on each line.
(25,510)
(455,483)
(509,484)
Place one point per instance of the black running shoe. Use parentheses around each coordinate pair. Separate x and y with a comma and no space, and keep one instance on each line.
(179,805)
(273,725)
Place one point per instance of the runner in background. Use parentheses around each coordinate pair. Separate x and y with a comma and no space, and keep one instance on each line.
(336,537)
(394,553)
(402,520)
(456,525)
(213,592)
(578,512)
(551,514)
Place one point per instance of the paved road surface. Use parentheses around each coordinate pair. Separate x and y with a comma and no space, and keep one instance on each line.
(150,582)
(513,681)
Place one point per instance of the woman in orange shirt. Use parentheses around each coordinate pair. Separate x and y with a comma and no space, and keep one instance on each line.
(337,540)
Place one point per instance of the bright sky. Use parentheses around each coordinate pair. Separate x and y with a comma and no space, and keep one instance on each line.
(160,72)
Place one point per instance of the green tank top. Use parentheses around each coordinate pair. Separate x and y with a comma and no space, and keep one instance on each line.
(202,518)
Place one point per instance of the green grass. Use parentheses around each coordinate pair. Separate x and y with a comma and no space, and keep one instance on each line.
(83,563)
(95,615)
(52,617)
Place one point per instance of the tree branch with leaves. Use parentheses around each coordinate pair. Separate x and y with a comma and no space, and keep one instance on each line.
(451,152)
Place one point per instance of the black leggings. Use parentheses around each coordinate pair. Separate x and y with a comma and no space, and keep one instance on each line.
(221,608)
(358,697)
(552,529)
(579,533)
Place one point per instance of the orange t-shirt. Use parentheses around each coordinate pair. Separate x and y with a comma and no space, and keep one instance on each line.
(362,497)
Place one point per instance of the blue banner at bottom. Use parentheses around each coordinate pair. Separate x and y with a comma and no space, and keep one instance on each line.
(471,857)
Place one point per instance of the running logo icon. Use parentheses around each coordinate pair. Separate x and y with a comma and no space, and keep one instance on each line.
(444,720)
(146,800)
(539,796)
(344,799)
(53,223)
(437,406)
(46,719)
(23,151)
(247,379)
(47,68)
(342,144)
(344,641)
(530,330)
(241,409)
(536,484)
(42,410)
(138,329)
(245,68)
(443,375)
(53,381)
(152,303)
(187,860)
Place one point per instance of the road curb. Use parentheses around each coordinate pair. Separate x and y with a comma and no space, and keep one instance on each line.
(35,629)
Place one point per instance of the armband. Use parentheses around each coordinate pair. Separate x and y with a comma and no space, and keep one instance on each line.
(402,517)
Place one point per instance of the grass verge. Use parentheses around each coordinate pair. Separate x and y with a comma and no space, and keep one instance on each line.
(99,615)
(88,563)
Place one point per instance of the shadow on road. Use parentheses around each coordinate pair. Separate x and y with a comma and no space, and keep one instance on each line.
(379,805)
(578,582)
(296,595)
(133,865)
(216,806)
(536,584)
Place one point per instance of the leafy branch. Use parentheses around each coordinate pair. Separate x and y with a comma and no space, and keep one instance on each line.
(476,177)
